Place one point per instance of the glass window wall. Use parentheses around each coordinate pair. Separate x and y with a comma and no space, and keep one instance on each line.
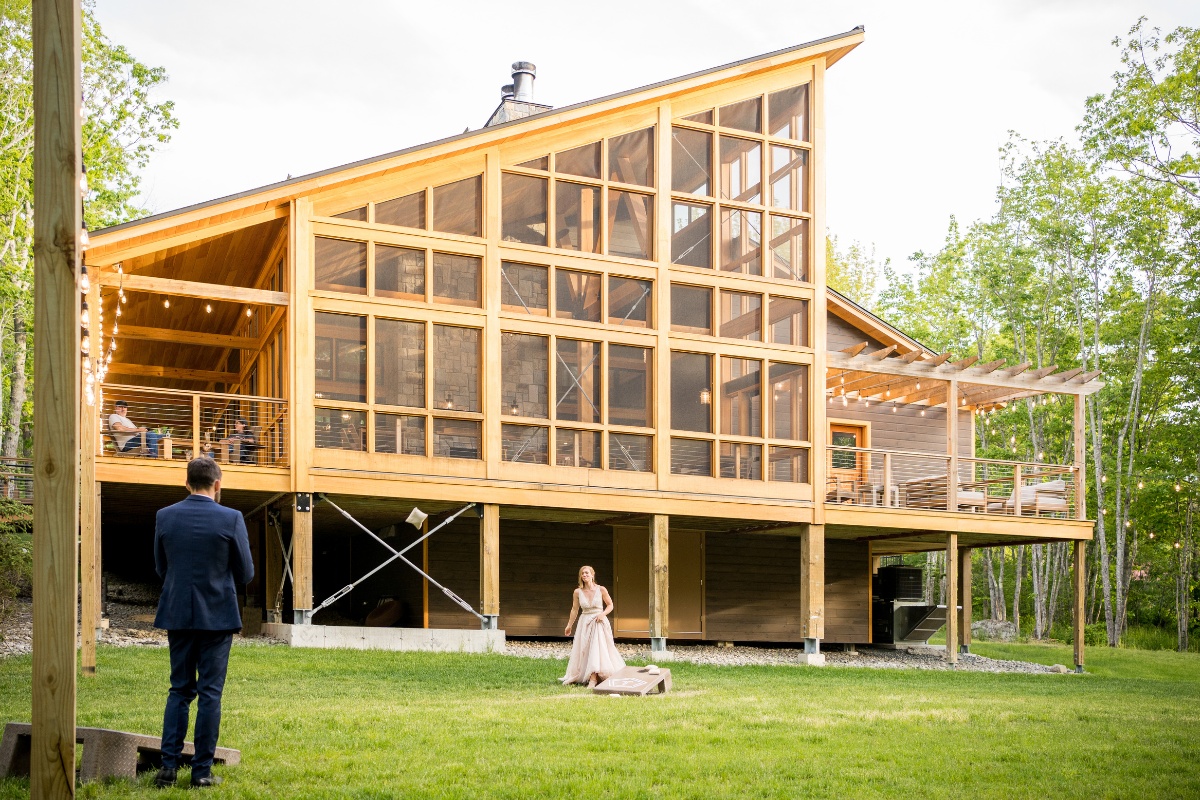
(576,295)
(456,279)
(524,288)
(458,207)
(691,309)
(631,158)
(691,235)
(577,380)
(525,375)
(341,357)
(523,209)
(341,265)
(629,302)
(741,396)
(629,385)
(577,216)
(456,372)
(691,392)
(399,272)
(741,316)
(400,363)
(407,211)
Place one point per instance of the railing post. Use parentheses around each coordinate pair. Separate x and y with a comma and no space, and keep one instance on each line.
(195,425)
(1017,490)
(952,445)
(887,480)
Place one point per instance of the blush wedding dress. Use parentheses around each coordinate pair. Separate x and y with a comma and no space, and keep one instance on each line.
(593,652)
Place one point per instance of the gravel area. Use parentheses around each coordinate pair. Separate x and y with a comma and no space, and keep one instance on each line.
(131,624)
(868,657)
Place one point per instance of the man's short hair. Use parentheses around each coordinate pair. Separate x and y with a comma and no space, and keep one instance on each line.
(203,472)
(120,404)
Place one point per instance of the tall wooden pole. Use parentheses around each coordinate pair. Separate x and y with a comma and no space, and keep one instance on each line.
(659,582)
(952,597)
(58,219)
(964,599)
(1078,621)
(489,565)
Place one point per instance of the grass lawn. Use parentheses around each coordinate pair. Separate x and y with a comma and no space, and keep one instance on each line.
(316,724)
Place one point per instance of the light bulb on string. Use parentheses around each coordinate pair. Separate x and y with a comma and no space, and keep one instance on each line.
(85,318)
(922,412)
(1178,487)
(1151,535)
(114,330)
(83,239)
(112,344)
(83,181)
(249,312)
(85,283)
(208,308)
(85,343)
(1141,485)
(166,303)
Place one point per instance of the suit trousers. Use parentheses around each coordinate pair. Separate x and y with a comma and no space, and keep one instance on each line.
(199,661)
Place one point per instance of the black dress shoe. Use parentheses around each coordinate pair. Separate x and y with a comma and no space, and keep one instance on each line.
(165,777)
(207,781)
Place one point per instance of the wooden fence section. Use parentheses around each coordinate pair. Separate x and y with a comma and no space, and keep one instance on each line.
(16,479)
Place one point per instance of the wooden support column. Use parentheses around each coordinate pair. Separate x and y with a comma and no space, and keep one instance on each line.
(1078,621)
(57,221)
(659,582)
(489,565)
(812,588)
(302,562)
(952,445)
(819,429)
(272,570)
(965,600)
(1080,458)
(952,597)
(89,534)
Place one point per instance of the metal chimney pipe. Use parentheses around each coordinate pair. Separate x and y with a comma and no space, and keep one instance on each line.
(523,75)
(507,91)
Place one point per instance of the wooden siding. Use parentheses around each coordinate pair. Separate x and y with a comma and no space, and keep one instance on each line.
(752,587)
(847,591)
(454,563)
(904,429)
(539,569)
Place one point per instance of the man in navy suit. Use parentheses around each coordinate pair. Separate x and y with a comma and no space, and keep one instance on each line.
(201,551)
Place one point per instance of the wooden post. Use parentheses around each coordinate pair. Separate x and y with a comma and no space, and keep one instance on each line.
(815,244)
(1077,615)
(952,445)
(965,600)
(887,480)
(1017,490)
(1080,457)
(57,215)
(302,563)
(952,597)
(812,587)
(659,582)
(196,436)
(89,532)
(489,565)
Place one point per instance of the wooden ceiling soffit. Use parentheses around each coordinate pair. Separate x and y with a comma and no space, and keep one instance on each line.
(207,291)
(152,241)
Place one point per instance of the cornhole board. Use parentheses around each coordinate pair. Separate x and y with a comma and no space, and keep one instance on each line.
(636,681)
(106,754)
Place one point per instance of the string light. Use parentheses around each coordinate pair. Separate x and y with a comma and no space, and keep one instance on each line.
(85,318)
(922,412)
(208,308)
(250,313)
(1141,485)
(85,284)
(1178,487)
(166,303)
(1151,535)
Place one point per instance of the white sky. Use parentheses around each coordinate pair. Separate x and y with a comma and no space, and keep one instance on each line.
(264,89)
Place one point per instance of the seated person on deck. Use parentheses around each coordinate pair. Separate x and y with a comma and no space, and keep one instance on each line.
(127,435)
(244,437)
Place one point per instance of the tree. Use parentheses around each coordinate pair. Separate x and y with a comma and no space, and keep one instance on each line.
(122,127)
(854,271)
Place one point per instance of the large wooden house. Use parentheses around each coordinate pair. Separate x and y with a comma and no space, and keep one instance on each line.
(605,325)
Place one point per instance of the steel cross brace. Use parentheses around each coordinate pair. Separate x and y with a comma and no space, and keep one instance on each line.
(399,554)
(273,518)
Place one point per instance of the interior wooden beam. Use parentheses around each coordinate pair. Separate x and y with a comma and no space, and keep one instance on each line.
(204,291)
(172,373)
(141,333)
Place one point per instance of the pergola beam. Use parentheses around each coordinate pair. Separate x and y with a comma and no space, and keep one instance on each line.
(203,291)
(175,336)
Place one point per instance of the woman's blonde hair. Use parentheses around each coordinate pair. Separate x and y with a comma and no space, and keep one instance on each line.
(581,569)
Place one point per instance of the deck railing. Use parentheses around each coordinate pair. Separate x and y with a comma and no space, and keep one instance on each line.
(908,479)
(182,424)
(16,479)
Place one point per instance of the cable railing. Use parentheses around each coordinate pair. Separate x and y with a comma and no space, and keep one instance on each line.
(174,424)
(16,479)
(868,477)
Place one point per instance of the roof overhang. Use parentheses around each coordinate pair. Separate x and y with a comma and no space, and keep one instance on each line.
(107,241)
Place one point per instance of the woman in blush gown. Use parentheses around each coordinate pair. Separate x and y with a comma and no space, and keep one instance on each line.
(594,656)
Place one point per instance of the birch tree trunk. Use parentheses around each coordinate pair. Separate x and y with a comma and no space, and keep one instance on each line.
(16,390)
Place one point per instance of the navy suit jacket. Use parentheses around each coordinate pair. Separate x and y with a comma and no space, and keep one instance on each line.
(201,551)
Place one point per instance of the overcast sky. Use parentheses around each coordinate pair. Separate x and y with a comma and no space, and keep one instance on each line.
(915,114)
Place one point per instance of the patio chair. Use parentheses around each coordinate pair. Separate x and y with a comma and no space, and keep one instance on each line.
(110,445)
(1047,497)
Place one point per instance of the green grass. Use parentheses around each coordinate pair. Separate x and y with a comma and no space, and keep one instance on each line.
(319,724)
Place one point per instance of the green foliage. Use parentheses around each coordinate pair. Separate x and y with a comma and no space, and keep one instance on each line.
(16,553)
(123,125)
(854,271)
(1095,635)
